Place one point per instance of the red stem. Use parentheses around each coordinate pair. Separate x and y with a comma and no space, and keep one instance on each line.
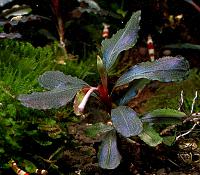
(103,93)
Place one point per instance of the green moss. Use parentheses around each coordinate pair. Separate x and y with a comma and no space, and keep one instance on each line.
(169,96)
(20,66)
(21,63)
(83,69)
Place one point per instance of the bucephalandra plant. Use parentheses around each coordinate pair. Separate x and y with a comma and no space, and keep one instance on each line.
(123,120)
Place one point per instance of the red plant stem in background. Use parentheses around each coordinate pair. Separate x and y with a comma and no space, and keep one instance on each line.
(60,25)
(56,6)
(195,6)
(61,31)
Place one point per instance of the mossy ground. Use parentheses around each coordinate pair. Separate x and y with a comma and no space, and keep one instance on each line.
(169,95)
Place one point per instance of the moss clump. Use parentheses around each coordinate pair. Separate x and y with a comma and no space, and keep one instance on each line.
(20,66)
(169,96)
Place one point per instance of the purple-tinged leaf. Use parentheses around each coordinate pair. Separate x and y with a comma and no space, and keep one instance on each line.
(62,88)
(4,2)
(47,100)
(122,40)
(109,156)
(58,80)
(126,121)
(10,35)
(165,69)
(133,90)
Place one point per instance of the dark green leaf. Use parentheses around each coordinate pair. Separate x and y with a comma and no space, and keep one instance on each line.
(43,142)
(169,140)
(125,121)
(102,72)
(183,46)
(98,128)
(53,130)
(164,116)
(2,151)
(122,40)
(29,166)
(150,136)
(165,69)
(109,156)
